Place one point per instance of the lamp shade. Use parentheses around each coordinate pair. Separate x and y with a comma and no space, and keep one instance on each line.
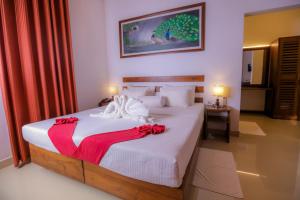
(113,90)
(219,90)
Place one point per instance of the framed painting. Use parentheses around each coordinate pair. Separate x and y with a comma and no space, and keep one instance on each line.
(170,31)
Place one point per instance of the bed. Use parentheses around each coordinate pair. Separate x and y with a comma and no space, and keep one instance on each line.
(148,168)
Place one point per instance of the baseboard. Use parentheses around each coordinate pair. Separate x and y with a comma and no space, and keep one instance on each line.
(235,133)
(253,111)
(6,162)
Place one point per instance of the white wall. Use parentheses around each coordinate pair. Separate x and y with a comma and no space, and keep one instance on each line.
(4,138)
(88,38)
(221,62)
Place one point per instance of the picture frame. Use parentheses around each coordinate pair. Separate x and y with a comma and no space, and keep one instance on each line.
(176,30)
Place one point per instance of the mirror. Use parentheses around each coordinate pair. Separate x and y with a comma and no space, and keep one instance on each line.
(255,63)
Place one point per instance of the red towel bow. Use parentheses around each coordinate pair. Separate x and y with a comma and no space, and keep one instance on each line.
(69,120)
(151,129)
(157,129)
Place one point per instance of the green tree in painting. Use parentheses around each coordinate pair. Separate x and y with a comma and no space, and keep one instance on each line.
(182,27)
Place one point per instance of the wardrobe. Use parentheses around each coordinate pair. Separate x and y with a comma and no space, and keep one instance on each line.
(284,79)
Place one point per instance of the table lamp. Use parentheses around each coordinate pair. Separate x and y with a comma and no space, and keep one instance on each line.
(113,90)
(218,91)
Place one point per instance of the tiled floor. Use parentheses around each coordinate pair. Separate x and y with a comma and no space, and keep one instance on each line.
(269,169)
(33,182)
(269,165)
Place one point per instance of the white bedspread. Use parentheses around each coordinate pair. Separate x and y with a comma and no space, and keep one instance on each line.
(159,159)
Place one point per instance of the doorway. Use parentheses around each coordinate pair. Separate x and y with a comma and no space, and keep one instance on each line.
(262,89)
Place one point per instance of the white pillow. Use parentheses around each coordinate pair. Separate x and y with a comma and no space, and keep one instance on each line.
(133,93)
(153,101)
(181,96)
(137,91)
(150,90)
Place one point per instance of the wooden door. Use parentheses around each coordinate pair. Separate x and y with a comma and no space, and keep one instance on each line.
(287,83)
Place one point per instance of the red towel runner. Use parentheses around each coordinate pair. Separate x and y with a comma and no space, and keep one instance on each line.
(94,147)
(61,135)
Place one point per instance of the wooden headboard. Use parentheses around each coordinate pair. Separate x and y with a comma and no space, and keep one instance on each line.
(174,79)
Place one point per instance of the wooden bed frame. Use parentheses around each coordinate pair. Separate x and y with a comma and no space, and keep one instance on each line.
(111,182)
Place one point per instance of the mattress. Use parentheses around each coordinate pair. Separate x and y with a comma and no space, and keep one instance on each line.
(160,159)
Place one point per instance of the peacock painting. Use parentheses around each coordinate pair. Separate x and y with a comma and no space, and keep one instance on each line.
(179,30)
(181,27)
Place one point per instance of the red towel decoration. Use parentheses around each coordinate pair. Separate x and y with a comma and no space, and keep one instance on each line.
(94,147)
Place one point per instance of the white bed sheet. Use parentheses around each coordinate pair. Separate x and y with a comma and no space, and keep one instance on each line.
(159,159)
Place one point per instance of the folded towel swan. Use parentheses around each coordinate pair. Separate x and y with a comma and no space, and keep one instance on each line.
(128,108)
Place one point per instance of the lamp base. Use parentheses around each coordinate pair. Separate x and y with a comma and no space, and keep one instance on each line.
(217,103)
(224,101)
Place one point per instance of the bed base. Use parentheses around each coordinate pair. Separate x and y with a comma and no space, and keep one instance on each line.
(108,181)
(127,188)
(61,164)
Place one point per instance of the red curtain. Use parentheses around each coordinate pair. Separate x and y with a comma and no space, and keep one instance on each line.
(36,65)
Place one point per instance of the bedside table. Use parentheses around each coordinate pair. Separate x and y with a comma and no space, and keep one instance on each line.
(218,116)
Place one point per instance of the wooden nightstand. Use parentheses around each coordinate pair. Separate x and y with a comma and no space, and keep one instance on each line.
(219,117)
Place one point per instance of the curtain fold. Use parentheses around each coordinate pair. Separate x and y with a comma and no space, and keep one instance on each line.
(36,66)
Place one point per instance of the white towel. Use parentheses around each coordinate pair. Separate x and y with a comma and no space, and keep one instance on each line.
(112,110)
(128,108)
(136,110)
